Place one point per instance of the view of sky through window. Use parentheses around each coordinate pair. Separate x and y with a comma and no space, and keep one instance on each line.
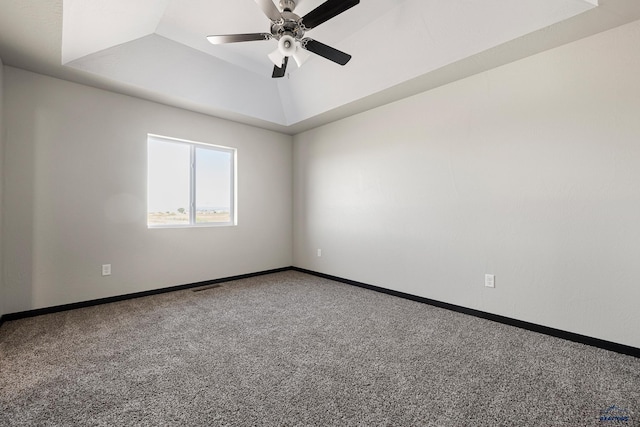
(173,190)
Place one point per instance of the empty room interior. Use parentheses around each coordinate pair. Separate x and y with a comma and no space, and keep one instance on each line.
(310,212)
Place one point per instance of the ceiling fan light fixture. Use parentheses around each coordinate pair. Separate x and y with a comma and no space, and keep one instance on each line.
(276,57)
(300,55)
(287,45)
(293,49)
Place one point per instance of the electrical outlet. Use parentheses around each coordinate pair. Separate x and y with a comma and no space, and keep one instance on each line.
(106,269)
(490,280)
(319,252)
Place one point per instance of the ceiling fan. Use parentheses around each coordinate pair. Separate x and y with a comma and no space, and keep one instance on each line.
(289,29)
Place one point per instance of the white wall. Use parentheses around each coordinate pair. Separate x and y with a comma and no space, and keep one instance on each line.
(75,196)
(2,291)
(530,171)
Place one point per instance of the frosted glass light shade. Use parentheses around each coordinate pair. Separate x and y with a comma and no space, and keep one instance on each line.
(276,57)
(300,55)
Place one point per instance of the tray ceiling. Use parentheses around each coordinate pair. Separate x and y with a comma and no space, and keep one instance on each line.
(157,50)
(160,45)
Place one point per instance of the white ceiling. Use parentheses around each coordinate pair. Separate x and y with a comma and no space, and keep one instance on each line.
(157,49)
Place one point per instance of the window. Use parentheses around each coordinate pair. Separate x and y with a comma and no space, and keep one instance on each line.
(189,184)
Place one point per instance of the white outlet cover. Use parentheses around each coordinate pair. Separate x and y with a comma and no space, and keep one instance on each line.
(106,269)
(490,280)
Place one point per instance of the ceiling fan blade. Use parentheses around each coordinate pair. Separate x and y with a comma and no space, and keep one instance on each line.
(326,11)
(235,38)
(326,51)
(269,9)
(280,71)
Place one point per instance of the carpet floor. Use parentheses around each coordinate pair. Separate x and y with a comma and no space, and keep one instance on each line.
(292,349)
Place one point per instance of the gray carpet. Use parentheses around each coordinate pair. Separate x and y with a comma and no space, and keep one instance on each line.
(292,349)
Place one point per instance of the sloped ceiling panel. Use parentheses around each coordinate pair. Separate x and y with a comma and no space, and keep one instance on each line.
(421,36)
(90,26)
(161,65)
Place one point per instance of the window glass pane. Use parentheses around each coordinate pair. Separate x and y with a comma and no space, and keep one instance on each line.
(168,183)
(213,185)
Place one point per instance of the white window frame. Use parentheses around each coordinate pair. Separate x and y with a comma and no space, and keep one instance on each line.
(233,221)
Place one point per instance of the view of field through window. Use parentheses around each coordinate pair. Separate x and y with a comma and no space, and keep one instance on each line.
(185,177)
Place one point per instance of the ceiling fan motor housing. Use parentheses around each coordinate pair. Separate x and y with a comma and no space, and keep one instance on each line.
(289,24)
(287,5)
